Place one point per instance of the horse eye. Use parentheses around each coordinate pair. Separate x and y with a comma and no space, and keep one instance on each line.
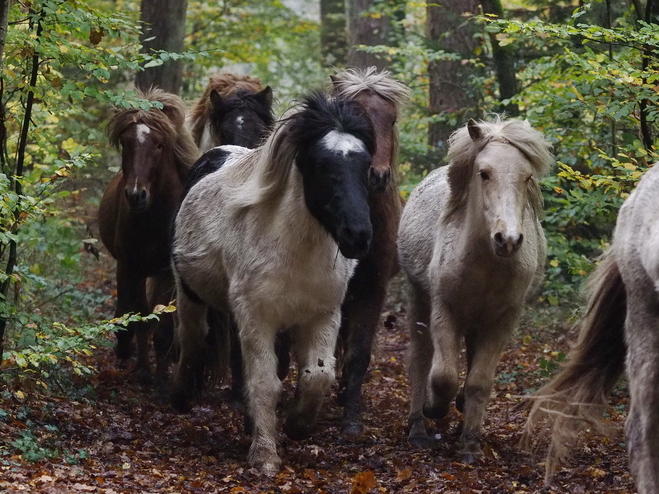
(159,146)
(530,177)
(484,175)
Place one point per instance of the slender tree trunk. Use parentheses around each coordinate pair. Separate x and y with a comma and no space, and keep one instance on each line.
(333,33)
(4,20)
(448,30)
(369,30)
(504,65)
(12,259)
(163,29)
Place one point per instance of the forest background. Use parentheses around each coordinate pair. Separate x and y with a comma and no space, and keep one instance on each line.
(583,72)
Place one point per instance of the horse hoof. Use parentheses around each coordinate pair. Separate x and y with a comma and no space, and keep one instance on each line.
(421,442)
(435,411)
(124,351)
(296,430)
(460,400)
(268,466)
(144,377)
(352,428)
(180,402)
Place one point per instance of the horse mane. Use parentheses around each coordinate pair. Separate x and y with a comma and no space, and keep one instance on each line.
(169,121)
(263,173)
(242,98)
(226,84)
(519,133)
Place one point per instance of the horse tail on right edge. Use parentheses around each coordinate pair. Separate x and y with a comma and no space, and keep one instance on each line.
(578,394)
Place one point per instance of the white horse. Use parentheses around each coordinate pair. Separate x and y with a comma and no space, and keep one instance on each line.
(258,239)
(473,249)
(621,322)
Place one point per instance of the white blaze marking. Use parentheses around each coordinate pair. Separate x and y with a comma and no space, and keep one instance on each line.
(239,122)
(142,131)
(135,186)
(342,142)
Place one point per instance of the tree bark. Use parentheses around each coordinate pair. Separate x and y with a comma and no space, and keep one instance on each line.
(369,30)
(448,30)
(504,65)
(333,33)
(4,20)
(651,14)
(163,29)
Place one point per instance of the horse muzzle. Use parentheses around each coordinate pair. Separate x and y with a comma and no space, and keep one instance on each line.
(378,179)
(138,200)
(507,244)
(354,243)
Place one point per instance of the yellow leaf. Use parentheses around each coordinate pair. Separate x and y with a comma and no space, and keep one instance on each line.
(553,263)
(20,395)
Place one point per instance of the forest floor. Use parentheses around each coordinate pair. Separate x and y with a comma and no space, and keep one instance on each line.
(108,434)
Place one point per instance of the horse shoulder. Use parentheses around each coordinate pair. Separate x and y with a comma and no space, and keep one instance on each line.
(420,225)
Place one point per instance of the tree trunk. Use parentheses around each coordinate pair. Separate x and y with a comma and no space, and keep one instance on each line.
(333,33)
(448,30)
(369,30)
(504,65)
(163,29)
(4,19)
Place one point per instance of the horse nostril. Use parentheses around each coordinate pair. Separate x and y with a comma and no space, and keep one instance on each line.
(498,239)
(378,179)
(142,196)
(520,240)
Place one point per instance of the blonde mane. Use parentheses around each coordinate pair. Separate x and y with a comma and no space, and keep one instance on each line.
(225,84)
(169,121)
(262,173)
(518,133)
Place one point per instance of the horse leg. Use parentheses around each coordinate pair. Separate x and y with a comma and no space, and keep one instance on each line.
(237,393)
(262,387)
(161,292)
(315,354)
(642,426)
(190,334)
(443,377)
(419,359)
(131,297)
(361,315)
(483,354)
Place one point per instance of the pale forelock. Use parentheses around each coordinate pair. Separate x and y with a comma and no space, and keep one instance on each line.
(350,82)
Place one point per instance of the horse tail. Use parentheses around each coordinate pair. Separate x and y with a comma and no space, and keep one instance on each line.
(578,394)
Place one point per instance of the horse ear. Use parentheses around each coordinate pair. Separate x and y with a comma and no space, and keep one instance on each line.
(216,100)
(335,81)
(475,131)
(265,96)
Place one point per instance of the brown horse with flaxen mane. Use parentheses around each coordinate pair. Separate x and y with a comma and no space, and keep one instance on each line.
(136,213)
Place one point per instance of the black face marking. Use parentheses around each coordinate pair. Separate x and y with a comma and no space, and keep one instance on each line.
(210,162)
(242,119)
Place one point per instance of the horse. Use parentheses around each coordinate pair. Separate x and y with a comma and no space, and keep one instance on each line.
(618,330)
(135,215)
(473,250)
(382,97)
(234,109)
(272,238)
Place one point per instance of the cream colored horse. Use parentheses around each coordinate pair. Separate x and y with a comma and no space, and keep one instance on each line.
(473,249)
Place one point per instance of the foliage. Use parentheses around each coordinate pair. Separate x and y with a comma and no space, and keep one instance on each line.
(59,62)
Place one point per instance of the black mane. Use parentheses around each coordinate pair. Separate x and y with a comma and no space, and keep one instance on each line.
(321,115)
(248,100)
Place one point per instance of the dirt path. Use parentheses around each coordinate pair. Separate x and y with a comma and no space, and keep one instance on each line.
(121,438)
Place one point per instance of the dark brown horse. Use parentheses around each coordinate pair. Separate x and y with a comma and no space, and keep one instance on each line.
(136,212)
(382,98)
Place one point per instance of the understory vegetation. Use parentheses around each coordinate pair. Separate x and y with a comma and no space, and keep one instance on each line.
(590,87)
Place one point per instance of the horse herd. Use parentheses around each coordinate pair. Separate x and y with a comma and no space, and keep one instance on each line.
(282,238)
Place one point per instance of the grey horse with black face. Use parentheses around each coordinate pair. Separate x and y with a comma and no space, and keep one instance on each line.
(471,245)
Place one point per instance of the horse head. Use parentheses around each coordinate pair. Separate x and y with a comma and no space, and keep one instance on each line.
(241,119)
(503,179)
(144,152)
(382,97)
(335,145)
